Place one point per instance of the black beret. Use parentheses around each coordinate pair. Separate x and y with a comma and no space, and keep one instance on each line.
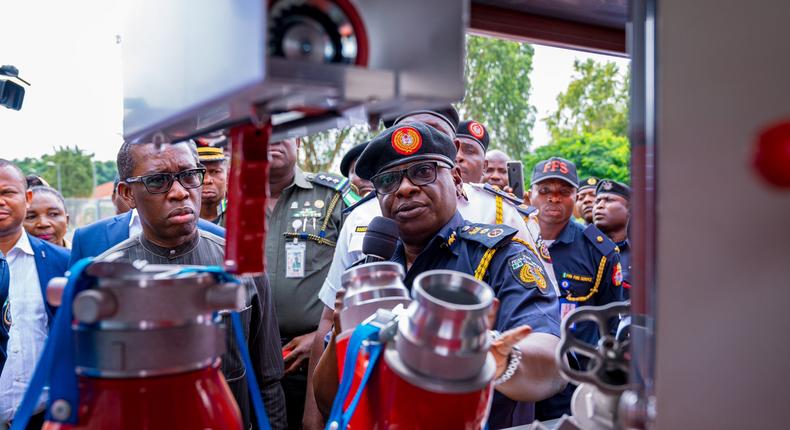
(351,155)
(402,144)
(613,187)
(590,182)
(475,131)
(447,114)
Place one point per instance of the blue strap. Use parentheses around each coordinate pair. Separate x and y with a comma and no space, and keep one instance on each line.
(338,419)
(59,373)
(238,332)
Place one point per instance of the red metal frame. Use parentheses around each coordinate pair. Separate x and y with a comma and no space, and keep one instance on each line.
(248,186)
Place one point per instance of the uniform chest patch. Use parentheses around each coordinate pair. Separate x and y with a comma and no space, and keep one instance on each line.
(617,275)
(528,273)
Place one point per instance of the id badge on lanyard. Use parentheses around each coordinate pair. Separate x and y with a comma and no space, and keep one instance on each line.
(295,259)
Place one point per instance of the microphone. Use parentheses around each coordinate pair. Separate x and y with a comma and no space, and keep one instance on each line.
(380,240)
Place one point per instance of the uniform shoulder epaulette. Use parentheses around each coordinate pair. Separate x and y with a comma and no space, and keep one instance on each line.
(489,235)
(507,196)
(329,180)
(525,209)
(602,243)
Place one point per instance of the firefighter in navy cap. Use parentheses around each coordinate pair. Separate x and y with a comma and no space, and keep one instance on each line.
(215,184)
(472,146)
(586,262)
(413,170)
(611,215)
(585,199)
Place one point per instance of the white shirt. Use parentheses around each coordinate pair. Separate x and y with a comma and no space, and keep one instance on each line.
(135,228)
(28,330)
(480,208)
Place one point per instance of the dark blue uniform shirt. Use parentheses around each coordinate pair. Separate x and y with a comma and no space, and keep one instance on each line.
(520,302)
(583,259)
(625,263)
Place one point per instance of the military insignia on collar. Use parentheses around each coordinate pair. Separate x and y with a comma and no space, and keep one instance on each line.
(607,185)
(476,129)
(544,252)
(474,230)
(406,140)
(528,273)
(495,232)
(465,228)
(485,230)
(617,275)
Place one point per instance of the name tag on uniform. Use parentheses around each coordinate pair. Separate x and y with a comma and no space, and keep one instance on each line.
(295,259)
(566,307)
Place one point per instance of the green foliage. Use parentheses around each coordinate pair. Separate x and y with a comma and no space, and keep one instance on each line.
(596,99)
(602,154)
(323,151)
(76,174)
(497,91)
(105,171)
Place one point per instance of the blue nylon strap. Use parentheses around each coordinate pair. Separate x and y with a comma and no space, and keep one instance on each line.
(238,332)
(56,364)
(338,419)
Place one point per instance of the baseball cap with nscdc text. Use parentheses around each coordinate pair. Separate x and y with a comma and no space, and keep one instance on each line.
(555,168)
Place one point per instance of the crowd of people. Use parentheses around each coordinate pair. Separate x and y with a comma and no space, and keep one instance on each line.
(561,245)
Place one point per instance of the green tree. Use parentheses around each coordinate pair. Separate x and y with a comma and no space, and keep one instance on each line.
(76,174)
(323,151)
(497,91)
(105,171)
(596,99)
(602,154)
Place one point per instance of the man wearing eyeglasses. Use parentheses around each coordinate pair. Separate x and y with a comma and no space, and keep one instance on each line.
(95,238)
(413,170)
(163,182)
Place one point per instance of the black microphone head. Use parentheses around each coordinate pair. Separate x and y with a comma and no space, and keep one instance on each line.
(381,238)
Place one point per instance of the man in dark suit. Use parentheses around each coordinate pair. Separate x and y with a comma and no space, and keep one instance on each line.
(27,268)
(93,239)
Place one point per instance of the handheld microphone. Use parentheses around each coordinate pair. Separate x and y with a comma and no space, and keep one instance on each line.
(380,240)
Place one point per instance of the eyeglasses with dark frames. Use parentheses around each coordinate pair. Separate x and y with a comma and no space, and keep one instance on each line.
(160,183)
(419,174)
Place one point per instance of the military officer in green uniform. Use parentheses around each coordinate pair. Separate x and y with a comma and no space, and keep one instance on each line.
(304,215)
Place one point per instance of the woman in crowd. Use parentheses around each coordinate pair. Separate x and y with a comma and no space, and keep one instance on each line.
(46,216)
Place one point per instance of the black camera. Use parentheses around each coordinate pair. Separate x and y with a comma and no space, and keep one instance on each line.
(11,93)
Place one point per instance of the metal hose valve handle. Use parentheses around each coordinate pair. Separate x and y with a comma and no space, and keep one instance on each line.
(609,362)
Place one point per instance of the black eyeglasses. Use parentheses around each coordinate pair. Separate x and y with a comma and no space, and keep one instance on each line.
(418,174)
(160,183)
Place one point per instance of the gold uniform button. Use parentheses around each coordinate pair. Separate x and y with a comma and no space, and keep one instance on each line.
(599,239)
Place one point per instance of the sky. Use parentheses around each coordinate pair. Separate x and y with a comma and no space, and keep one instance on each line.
(69,53)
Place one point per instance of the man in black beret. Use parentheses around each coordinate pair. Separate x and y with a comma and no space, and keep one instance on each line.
(472,146)
(611,215)
(585,199)
(348,168)
(412,167)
